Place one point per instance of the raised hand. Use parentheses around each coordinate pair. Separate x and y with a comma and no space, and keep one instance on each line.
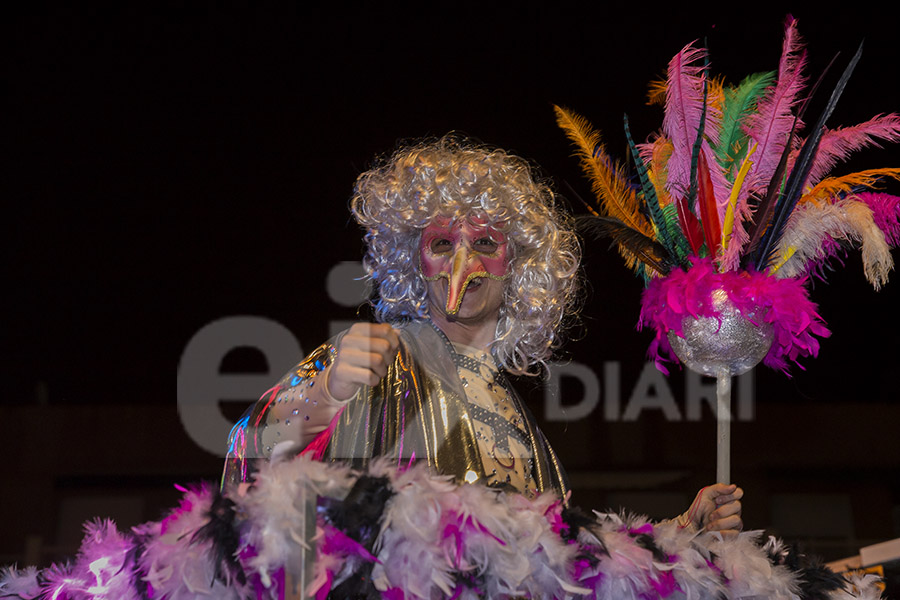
(363,356)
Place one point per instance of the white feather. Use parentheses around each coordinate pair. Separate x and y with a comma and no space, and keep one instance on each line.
(850,220)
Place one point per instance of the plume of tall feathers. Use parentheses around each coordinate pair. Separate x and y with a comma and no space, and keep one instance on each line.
(732,174)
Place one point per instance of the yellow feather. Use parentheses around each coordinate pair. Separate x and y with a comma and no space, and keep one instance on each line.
(656,92)
(662,151)
(716,93)
(785,256)
(616,198)
(728,225)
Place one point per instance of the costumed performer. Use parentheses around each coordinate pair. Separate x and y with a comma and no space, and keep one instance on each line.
(476,269)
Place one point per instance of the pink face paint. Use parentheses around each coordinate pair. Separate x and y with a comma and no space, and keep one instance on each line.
(461,251)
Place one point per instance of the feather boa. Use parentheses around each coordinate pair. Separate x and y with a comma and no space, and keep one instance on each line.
(435,539)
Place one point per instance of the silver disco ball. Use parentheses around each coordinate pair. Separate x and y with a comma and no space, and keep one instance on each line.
(729,345)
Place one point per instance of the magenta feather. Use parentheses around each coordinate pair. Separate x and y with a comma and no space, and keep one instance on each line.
(19,584)
(785,304)
(684,109)
(682,120)
(731,255)
(837,144)
(103,570)
(885,214)
(771,125)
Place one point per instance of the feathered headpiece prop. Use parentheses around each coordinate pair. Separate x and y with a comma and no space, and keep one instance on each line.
(734,194)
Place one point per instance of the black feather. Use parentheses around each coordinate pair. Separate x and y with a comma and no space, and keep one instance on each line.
(817,582)
(358,586)
(698,141)
(576,520)
(472,580)
(765,208)
(138,579)
(359,516)
(646,541)
(800,172)
(651,201)
(647,250)
(222,533)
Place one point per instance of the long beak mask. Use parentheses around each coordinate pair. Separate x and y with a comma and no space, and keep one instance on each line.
(462,251)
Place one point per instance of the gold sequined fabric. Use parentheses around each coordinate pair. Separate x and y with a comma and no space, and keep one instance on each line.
(420,411)
(499,426)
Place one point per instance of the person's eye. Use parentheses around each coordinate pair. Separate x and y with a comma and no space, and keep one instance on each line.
(486,245)
(441,245)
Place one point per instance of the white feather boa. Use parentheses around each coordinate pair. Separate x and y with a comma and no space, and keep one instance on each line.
(435,540)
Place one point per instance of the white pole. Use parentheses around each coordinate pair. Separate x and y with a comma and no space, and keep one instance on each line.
(723,426)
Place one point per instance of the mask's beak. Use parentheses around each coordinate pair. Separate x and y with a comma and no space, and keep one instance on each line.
(464,268)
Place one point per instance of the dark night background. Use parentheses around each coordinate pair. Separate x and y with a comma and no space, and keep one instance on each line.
(167,167)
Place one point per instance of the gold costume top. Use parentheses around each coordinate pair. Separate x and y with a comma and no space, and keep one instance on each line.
(449,406)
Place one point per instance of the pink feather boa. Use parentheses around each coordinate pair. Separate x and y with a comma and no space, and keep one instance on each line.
(478,543)
(784,303)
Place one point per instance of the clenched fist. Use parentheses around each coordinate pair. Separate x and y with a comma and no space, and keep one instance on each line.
(363,356)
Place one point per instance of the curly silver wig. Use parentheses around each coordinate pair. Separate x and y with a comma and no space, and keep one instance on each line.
(455,178)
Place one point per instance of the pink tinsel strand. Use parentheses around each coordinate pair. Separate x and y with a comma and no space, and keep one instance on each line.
(316,449)
(785,303)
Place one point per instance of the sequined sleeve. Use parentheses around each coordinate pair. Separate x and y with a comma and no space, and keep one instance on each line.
(287,416)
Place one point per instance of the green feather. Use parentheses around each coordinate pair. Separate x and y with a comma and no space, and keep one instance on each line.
(651,200)
(681,247)
(698,142)
(740,102)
